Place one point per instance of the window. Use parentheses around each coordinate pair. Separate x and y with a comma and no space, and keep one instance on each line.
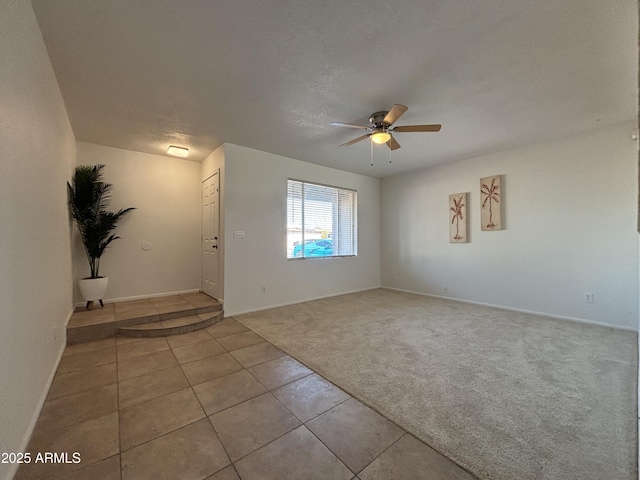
(321,221)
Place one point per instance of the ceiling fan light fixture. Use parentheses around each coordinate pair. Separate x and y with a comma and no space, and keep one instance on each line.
(380,137)
(178,151)
(380,128)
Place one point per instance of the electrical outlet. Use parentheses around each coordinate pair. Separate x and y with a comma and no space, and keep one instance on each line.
(263,289)
(589,298)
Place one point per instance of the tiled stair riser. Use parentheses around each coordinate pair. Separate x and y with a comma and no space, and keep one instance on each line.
(78,332)
(167,331)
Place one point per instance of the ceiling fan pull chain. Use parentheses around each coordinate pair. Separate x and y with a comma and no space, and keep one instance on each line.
(371,145)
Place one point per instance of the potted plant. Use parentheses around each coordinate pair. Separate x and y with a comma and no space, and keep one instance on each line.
(89,197)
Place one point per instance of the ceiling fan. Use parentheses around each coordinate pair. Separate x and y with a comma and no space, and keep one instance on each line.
(380,129)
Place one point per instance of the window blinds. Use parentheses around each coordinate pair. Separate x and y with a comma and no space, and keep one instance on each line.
(321,220)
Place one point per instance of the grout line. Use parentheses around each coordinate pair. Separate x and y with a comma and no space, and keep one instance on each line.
(166,433)
(271,441)
(301,424)
(267,391)
(155,398)
(336,405)
(208,417)
(215,432)
(329,448)
(204,358)
(195,343)
(405,433)
(279,386)
(84,367)
(235,405)
(233,465)
(86,389)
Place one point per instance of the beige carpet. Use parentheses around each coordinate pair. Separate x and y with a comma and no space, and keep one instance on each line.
(506,395)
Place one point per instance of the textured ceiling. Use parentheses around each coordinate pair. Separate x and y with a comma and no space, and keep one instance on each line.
(272,74)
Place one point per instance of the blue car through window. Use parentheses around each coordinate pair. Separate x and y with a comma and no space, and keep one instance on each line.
(315,248)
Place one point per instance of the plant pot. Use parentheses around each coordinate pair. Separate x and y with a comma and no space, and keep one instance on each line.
(93,289)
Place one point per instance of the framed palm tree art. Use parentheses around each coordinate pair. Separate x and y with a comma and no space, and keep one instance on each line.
(491,201)
(458,218)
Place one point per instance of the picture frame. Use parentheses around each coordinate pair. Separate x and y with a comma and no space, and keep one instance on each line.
(458,218)
(491,203)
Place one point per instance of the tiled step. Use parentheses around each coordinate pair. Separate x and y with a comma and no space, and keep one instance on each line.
(175,326)
(104,322)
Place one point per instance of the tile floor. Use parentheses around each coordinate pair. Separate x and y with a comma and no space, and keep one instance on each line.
(216,404)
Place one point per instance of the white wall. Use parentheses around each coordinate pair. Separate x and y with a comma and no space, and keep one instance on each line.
(37,155)
(255,201)
(570,219)
(165,193)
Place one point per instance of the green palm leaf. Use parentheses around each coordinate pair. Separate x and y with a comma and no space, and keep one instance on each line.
(89,198)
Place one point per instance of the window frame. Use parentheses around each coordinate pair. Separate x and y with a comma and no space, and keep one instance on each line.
(354,223)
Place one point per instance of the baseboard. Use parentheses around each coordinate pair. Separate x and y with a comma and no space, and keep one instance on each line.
(66,324)
(520,310)
(43,398)
(142,297)
(269,307)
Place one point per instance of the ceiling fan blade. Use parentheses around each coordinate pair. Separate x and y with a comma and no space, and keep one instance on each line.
(394,114)
(418,128)
(393,144)
(355,140)
(348,125)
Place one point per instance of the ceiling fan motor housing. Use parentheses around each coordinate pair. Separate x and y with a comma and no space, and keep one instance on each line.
(377,118)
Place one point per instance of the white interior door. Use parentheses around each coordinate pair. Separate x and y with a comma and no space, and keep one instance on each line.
(210,234)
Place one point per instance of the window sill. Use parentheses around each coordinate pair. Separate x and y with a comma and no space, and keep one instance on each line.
(321,258)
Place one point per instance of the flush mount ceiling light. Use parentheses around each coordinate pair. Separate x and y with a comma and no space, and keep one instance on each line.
(178,151)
